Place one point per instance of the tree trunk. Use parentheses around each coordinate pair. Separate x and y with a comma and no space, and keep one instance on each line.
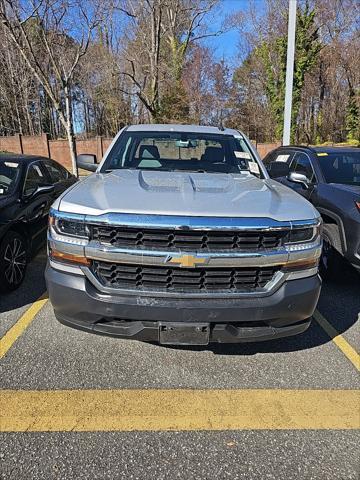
(70,130)
(72,147)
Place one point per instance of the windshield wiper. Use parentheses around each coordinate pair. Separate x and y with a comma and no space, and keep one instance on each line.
(188,170)
(157,169)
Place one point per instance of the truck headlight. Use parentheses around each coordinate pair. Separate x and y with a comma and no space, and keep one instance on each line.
(301,235)
(301,238)
(70,228)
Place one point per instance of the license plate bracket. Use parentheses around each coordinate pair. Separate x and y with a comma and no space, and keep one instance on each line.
(180,333)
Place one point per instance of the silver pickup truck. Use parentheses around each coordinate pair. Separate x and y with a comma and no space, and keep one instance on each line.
(181,237)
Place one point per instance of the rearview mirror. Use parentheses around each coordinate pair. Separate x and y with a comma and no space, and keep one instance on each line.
(299,178)
(87,161)
(278,169)
(186,143)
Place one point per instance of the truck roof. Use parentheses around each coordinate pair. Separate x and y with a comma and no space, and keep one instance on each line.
(155,127)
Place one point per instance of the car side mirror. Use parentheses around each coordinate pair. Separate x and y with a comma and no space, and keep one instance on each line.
(299,178)
(278,169)
(87,161)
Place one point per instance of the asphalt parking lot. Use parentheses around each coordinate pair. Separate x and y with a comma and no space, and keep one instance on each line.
(76,405)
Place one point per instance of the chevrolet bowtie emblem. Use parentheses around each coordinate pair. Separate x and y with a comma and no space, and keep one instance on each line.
(189,261)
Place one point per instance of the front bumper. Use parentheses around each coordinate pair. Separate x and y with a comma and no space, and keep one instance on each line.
(285,312)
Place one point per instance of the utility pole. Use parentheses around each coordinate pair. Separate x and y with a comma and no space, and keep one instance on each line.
(289,72)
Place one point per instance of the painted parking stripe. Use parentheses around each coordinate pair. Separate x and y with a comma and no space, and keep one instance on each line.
(157,410)
(339,340)
(10,337)
(14,333)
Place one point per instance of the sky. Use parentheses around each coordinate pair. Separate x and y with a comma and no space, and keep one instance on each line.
(226,45)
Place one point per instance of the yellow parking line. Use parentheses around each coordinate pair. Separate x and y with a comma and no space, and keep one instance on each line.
(155,410)
(339,340)
(24,321)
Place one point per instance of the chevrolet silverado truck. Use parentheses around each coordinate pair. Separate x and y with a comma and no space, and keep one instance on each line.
(180,237)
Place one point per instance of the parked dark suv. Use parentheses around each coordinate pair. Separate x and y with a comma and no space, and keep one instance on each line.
(330,179)
(28,187)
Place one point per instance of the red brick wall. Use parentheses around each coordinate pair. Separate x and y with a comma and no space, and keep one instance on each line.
(106,143)
(91,145)
(59,149)
(55,149)
(35,145)
(11,144)
(265,148)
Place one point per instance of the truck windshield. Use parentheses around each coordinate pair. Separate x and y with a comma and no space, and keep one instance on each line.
(9,174)
(178,151)
(341,167)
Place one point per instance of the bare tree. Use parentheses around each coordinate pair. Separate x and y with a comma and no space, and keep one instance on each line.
(41,30)
(184,25)
(70,65)
(160,35)
(142,52)
(199,86)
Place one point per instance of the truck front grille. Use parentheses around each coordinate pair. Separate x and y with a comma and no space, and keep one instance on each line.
(175,279)
(187,240)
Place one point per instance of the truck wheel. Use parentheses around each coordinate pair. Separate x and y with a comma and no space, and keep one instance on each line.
(13,261)
(330,261)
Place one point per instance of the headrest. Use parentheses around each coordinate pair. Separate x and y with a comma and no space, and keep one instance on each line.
(213,155)
(150,152)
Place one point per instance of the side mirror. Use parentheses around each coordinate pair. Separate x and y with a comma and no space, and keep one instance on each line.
(278,169)
(87,161)
(299,178)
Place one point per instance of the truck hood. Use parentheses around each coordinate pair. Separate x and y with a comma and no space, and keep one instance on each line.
(183,193)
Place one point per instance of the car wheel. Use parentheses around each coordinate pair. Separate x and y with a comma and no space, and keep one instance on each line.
(13,261)
(330,261)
